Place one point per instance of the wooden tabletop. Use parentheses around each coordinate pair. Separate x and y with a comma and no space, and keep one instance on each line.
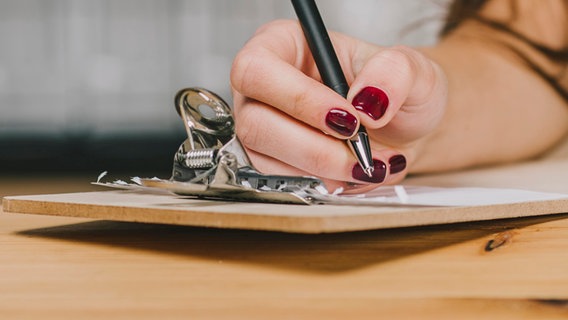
(65,268)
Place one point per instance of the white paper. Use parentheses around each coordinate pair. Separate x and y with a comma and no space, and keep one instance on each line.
(398,195)
(434,196)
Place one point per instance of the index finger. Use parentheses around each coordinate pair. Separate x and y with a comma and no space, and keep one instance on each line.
(268,70)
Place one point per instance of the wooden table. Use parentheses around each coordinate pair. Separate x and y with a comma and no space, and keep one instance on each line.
(71,268)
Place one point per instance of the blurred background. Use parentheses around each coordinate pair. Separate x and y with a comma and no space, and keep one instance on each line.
(88,85)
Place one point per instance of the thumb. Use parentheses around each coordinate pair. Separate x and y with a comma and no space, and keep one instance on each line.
(400,89)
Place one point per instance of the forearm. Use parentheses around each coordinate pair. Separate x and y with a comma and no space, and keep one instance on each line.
(498,109)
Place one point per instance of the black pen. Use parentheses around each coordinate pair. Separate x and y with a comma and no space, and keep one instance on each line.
(331,73)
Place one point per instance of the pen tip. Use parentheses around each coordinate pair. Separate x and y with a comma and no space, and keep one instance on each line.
(369,171)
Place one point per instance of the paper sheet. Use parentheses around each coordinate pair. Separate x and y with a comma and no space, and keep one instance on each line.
(398,195)
(434,196)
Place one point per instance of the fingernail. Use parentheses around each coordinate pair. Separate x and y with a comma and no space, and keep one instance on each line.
(379,172)
(372,101)
(341,122)
(397,163)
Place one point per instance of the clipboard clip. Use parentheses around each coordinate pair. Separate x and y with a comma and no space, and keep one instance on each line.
(212,163)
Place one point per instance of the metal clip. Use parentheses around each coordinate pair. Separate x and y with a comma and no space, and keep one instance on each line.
(212,163)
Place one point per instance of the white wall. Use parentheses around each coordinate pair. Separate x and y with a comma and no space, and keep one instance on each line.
(104,67)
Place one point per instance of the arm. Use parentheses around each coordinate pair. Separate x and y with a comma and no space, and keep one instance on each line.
(498,109)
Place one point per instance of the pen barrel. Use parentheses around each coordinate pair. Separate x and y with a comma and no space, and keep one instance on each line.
(330,71)
(320,45)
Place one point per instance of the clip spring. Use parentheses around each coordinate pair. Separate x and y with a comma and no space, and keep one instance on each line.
(198,159)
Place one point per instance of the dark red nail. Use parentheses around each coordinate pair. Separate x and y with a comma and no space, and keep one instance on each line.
(378,176)
(372,101)
(397,163)
(341,121)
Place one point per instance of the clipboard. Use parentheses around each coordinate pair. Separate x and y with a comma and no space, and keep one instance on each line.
(541,176)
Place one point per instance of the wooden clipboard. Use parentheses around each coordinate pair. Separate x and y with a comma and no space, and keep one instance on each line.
(546,176)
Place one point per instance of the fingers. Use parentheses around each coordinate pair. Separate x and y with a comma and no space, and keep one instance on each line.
(280,144)
(265,71)
(400,88)
(267,164)
(266,130)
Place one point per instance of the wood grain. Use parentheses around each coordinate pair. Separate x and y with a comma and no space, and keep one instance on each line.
(54,267)
(61,267)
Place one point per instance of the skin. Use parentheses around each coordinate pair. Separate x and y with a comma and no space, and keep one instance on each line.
(467,101)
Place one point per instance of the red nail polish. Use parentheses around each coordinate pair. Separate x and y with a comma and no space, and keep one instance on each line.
(372,101)
(379,172)
(341,121)
(397,163)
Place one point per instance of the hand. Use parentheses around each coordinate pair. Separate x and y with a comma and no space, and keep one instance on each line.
(290,123)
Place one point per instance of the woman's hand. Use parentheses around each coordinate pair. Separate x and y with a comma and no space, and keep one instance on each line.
(291,123)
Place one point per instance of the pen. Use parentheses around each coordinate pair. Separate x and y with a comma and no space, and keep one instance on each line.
(330,72)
